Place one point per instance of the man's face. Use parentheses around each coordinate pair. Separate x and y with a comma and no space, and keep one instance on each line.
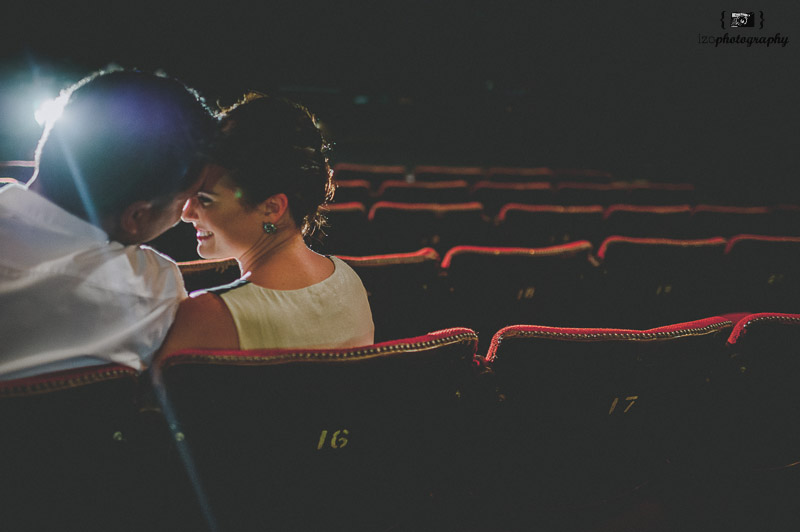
(162,216)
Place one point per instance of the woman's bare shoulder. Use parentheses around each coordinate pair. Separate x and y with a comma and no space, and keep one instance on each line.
(202,322)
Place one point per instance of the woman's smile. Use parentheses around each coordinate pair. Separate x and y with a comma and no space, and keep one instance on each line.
(203,235)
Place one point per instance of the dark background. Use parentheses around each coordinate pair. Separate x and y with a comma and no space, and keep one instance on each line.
(614,85)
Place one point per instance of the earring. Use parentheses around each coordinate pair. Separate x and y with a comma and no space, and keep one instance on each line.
(270,228)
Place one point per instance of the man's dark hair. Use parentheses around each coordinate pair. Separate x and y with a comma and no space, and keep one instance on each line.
(124,136)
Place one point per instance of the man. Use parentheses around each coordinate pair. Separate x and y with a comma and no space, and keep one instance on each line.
(112,172)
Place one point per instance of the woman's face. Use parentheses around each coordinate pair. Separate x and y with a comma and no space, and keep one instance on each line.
(226,227)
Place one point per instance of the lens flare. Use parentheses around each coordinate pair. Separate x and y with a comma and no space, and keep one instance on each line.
(49,111)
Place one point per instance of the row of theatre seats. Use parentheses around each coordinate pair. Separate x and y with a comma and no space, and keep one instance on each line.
(627,282)
(494,194)
(398,227)
(560,180)
(378,173)
(421,433)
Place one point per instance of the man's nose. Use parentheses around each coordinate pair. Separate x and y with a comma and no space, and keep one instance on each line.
(188,213)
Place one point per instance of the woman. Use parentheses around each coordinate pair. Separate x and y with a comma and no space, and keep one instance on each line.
(258,200)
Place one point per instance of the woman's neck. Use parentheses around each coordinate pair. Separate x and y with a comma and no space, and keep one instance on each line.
(284,262)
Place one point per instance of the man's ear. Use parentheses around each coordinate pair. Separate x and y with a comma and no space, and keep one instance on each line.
(274,207)
(132,222)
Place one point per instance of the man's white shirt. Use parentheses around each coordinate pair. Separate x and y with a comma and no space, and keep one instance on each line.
(70,298)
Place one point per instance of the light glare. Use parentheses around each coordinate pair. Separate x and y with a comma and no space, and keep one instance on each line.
(49,111)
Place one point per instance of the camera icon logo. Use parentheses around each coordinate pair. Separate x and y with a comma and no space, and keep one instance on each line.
(742,20)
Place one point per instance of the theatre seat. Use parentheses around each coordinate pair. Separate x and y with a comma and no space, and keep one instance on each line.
(578,193)
(494,195)
(490,287)
(648,281)
(755,425)
(519,174)
(89,450)
(547,225)
(661,193)
(404,227)
(18,171)
(763,273)
(786,220)
(202,274)
(403,291)
(667,221)
(582,175)
(450,191)
(584,416)
(374,173)
(726,221)
(353,190)
(346,230)
(444,173)
(67,461)
(311,439)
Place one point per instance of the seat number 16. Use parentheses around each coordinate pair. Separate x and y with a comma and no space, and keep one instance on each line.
(337,440)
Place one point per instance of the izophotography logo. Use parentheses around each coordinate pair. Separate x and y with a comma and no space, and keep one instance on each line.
(741,20)
(738,20)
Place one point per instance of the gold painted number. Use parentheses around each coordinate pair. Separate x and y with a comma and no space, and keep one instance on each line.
(775,278)
(337,440)
(526,293)
(631,400)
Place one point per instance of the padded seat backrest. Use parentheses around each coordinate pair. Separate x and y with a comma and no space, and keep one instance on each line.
(547,225)
(785,220)
(19,171)
(353,190)
(754,427)
(519,174)
(647,221)
(446,173)
(582,175)
(588,414)
(346,230)
(301,439)
(493,195)
(726,221)
(451,191)
(374,173)
(204,274)
(404,227)
(576,193)
(489,287)
(68,462)
(763,273)
(650,280)
(403,291)
(661,193)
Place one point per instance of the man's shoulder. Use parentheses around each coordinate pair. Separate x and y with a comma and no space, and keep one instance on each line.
(155,266)
(137,270)
(155,256)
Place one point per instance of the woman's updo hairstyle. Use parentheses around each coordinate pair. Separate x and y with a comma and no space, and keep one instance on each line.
(271,146)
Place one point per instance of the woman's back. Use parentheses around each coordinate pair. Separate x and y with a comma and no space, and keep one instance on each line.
(332,313)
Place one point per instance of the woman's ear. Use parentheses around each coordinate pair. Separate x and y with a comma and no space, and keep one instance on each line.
(274,207)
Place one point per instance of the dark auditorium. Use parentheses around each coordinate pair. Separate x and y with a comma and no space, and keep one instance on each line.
(466,266)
